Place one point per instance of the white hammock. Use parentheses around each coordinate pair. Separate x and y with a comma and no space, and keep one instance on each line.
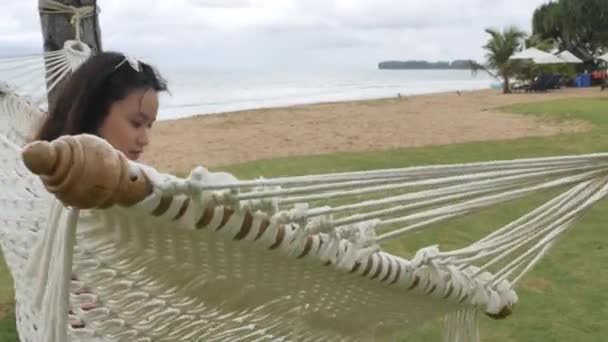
(213,258)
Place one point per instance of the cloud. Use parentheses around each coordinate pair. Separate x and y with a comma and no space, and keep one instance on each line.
(270,32)
(221,3)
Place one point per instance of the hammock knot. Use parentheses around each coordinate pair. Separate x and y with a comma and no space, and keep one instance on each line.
(436,279)
(225,197)
(425,255)
(77,13)
(316,225)
(196,179)
(80,13)
(165,184)
(362,234)
(458,280)
(362,238)
(268,205)
(194,186)
(299,215)
(501,299)
(350,256)
(480,297)
(333,250)
(497,300)
(320,224)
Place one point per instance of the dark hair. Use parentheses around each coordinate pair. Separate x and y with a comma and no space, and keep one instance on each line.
(84,101)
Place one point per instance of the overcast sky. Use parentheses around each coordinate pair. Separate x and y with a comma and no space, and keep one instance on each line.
(256,33)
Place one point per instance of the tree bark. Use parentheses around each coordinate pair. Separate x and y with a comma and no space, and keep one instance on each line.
(505,86)
(56,29)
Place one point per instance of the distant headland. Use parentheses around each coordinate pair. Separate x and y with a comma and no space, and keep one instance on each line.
(456,64)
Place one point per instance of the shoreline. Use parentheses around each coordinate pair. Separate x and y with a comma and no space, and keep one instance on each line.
(210,140)
(307,103)
(255,89)
(304,104)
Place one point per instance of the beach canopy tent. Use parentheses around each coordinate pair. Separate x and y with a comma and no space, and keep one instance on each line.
(568,57)
(537,56)
(106,249)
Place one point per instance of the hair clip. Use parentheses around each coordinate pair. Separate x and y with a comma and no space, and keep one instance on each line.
(133,62)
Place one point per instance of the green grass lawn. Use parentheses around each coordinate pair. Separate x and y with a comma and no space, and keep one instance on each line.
(7,320)
(563,299)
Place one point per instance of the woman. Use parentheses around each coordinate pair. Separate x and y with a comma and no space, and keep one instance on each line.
(111,96)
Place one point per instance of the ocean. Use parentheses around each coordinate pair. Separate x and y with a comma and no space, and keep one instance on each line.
(196,91)
(202,91)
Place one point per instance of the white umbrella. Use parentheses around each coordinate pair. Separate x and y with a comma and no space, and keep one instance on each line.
(537,56)
(569,57)
(604,57)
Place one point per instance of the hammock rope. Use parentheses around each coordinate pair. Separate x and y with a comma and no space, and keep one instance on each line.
(77,13)
(35,75)
(280,258)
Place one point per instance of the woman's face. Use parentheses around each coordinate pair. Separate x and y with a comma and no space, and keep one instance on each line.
(129,121)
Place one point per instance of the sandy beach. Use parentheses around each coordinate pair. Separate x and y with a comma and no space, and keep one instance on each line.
(437,119)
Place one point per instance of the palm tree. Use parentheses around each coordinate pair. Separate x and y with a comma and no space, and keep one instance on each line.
(501,46)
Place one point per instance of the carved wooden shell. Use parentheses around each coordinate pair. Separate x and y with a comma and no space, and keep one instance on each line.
(85,171)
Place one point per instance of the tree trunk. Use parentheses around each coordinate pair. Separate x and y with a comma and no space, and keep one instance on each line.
(505,86)
(56,29)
